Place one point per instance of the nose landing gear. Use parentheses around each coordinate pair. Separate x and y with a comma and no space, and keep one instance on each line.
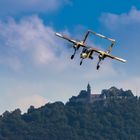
(81,62)
(98,66)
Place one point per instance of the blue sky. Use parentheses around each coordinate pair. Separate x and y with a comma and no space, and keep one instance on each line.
(35,64)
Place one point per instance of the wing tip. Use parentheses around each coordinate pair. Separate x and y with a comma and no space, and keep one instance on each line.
(122,60)
(58,34)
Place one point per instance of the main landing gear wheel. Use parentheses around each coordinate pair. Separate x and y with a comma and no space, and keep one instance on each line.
(81,63)
(72,56)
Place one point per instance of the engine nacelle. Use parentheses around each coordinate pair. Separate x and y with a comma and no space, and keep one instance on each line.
(75,46)
(101,56)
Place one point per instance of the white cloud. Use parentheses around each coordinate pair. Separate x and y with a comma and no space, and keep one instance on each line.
(113,21)
(126,28)
(20,94)
(13,63)
(28,40)
(106,71)
(132,83)
(12,7)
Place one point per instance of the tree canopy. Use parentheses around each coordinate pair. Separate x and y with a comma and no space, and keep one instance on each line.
(109,119)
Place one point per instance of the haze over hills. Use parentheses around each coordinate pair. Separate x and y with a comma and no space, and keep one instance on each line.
(113,114)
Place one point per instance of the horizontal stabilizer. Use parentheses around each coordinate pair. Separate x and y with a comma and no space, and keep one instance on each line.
(102,36)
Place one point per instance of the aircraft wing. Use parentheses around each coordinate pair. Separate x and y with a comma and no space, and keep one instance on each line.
(114,57)
(105,54)
(92,49)
(65,37)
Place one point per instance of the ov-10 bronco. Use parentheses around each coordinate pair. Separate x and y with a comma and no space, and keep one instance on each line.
(88,51)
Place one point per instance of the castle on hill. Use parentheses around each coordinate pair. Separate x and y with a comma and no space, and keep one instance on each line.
(113,92)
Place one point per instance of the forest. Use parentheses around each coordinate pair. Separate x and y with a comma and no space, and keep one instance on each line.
(107,119)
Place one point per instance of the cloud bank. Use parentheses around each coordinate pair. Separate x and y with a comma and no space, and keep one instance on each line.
(12,7)
(114,21)
(126,28)
(28,40)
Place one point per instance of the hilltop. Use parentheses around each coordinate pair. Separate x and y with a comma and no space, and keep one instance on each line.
(112,93)
(112,115)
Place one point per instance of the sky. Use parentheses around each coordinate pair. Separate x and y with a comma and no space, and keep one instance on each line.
(35,65)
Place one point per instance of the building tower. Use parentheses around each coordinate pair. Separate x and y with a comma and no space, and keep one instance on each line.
(88,89)
(89,92)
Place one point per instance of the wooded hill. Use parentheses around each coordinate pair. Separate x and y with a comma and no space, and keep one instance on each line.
(109,119)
